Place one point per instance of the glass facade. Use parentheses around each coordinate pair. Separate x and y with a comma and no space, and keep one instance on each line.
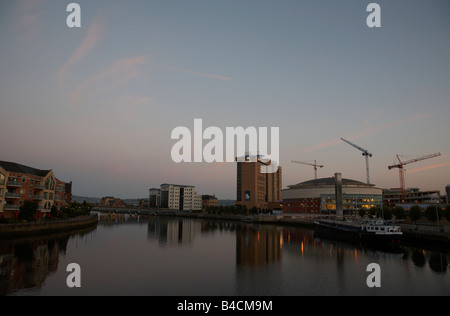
(352,203)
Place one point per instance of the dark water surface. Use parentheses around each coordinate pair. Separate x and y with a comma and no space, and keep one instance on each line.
(188,257)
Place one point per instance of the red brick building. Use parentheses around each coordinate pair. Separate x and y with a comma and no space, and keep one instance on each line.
(19,183)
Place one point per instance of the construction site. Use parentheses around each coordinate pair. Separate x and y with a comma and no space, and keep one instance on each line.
(317,196)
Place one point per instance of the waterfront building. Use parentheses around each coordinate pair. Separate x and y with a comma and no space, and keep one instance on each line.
(393,197)
(155,197)
(209,200)
(19,183)
(318,197)
(257,189)
(111,201)
(176,197)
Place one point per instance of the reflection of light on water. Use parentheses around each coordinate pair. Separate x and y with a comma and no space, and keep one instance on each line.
(302,248)
(281,241)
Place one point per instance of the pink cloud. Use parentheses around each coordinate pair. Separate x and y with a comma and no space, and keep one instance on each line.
(430,167)
(116,75)
(368,131)
(92,37)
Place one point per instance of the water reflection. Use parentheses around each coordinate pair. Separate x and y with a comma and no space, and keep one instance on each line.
(437,261)
(258,245)
(179,256)
(173,231)
(26,263)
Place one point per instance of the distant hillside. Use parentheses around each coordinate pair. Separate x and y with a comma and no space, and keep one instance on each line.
(226,202)
(81,199)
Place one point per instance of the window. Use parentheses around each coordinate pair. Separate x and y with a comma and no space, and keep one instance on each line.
(2,178)
(1,192)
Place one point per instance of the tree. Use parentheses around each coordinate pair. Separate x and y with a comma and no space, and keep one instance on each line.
(415,213)
(362,212)
(399,212)
(387,213)
(433,213)
(28,211)
(54,212)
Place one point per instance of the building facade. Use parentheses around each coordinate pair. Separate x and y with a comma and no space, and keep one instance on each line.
(175,197)
(209,200)
(19,183)
(319,197)
(393,197)
(257,189)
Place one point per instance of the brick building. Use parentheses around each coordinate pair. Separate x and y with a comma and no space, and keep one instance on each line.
(19,183)
(257,189)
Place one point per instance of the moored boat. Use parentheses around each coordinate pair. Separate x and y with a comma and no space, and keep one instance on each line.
(374,232)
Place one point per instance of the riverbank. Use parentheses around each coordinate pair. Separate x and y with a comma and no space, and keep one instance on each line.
(46,227)
(420,235)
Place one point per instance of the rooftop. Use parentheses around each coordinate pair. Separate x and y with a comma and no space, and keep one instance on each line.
(18,168)
(329,182)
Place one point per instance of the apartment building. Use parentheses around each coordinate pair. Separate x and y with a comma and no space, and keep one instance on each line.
(19,183)
(176,197)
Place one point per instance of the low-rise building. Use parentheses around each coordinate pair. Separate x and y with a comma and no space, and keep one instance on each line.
(209,200)
(393,197)
(176,197)
(19,183)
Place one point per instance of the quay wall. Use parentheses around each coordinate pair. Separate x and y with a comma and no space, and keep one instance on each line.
(47,227)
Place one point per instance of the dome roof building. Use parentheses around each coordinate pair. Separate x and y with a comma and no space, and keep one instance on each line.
(318,197)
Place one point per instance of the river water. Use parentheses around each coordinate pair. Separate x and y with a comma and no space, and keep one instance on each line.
(168,256)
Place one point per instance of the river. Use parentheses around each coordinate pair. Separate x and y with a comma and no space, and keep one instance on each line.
(169,256)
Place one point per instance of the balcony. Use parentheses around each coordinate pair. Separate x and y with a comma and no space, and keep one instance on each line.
(38,197)
(15,184)
(9,195)
(40,187)
(9,207)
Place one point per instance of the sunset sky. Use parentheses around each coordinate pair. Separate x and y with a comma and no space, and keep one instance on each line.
(97,104)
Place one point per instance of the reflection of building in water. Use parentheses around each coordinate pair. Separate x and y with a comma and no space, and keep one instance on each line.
(173,231)
(258,246)
(26,264)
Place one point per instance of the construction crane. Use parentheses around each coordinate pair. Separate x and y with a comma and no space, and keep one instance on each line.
(401,169)
(315,165)
(365,154)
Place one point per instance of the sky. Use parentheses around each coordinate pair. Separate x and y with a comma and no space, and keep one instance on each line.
(97,104)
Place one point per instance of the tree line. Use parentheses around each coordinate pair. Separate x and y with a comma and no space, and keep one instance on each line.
(431,213)
(29,209)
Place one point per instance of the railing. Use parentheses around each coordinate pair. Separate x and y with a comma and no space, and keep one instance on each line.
(14,184)
(8,207)
(38,197)
(12,195)
(40,187)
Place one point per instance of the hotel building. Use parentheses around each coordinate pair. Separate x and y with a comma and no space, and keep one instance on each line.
(176,197)
(257,189)
(19,183)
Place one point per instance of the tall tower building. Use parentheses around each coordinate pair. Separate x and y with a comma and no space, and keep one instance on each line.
(256,189)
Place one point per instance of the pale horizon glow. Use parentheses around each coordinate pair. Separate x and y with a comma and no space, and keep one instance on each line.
(97,104)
